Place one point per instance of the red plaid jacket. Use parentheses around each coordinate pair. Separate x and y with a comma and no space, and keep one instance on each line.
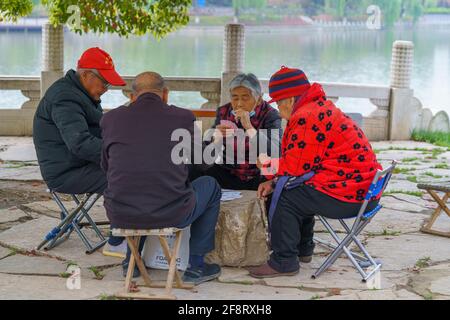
(319,137)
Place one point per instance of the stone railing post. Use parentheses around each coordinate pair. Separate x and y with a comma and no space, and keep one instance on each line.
(212,99)
(401,121)
(233,57)
(52,55)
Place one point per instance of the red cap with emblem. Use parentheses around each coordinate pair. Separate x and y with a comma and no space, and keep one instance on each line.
(96,58)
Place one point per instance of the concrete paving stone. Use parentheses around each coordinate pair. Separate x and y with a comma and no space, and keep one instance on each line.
(395,202)
(441,286)
(31,265)
(342,269)
(221,291)
(434,280)
(18,287)
(402,252)
(17,149)
(402,185)
(387,219)
(4,252)
(404,294)
(33,232)
(12,214)
(402,145)
(27,173)
(51,209)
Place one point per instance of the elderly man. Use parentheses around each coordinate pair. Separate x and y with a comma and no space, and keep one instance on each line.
(66,128)
(249,113)
(146,187)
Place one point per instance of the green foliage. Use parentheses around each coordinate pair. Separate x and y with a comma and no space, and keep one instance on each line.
(123,17)
(441,139)
(10,10)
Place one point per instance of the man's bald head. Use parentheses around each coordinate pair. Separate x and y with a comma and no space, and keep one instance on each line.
(149,82)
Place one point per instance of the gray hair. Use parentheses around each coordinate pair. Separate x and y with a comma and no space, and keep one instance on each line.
(249,81)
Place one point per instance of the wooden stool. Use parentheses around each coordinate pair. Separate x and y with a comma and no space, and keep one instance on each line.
(442,206)
(133,237)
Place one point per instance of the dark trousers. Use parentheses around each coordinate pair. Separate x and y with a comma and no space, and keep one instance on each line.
(202,219)
(87,179)
(292,227)
(225,179)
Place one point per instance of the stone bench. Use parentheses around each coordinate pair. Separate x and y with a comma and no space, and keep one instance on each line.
(241,238)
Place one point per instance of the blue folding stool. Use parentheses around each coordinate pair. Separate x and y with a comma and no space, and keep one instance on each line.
(72,221)
(363,218)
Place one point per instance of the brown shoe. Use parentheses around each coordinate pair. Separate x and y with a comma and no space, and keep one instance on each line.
(266,271)
(305,259)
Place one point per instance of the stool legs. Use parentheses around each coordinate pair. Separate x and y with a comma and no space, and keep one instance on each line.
(442,206)
(173,274)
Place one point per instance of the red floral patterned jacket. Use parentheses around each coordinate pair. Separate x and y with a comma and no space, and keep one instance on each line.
(319,137)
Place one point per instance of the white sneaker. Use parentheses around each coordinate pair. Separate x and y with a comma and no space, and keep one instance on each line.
(119,251)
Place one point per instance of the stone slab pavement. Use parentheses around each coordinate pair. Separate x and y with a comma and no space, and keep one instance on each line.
(415,265)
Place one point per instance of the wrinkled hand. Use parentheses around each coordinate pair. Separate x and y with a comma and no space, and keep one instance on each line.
(244,117)
(223,131)
(263,158)
(265,189)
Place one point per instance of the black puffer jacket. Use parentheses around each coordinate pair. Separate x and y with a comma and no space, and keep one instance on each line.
(66,130)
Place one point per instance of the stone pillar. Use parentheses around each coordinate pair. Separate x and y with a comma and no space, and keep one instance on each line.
(402,117)
(233,57)
(52,55)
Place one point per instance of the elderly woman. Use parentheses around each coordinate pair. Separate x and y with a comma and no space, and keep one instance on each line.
(331,164)
(249,113)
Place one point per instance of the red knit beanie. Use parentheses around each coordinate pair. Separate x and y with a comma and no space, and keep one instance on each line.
(287,83)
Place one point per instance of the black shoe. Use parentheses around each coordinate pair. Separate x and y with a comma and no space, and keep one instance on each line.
(136,272)
(202,274)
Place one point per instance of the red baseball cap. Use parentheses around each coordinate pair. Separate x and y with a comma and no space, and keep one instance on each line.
(96,58)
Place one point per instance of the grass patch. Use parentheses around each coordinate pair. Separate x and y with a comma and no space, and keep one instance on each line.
(105,296)
(97,273)
(398,170)
(316,297)
(410,159)
(410,193)
(441,139)
(65,275)
(412,179)
(432,175)
(423,262)
(384,233)
(441,166)
(17,164)
(428,296)
(71,263)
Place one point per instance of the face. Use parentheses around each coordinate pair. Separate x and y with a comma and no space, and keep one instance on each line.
(285,107)
(242,98)
(94,84)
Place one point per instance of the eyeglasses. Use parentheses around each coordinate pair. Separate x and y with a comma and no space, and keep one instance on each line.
(105,83)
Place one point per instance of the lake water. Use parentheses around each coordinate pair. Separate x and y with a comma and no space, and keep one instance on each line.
(325,55)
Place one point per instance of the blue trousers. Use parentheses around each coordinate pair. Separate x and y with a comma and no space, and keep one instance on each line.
(202,219)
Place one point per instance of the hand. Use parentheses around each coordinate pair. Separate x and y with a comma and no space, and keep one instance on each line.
(262,160)
(264,190)
(223,131)
(244,117)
